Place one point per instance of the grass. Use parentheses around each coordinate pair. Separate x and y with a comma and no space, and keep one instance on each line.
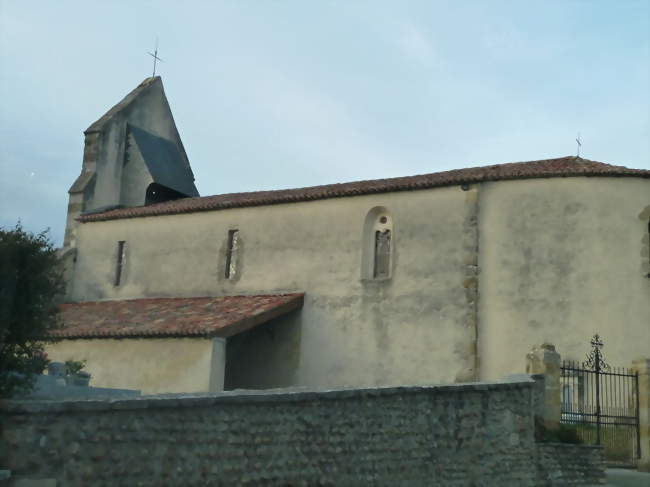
(618,440)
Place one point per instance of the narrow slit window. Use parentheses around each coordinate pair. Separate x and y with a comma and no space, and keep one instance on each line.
(231,253)
(382,254)
(648,276)
(119,262)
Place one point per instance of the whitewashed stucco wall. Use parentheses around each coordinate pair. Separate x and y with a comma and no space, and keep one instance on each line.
(414,328)
(562,259)
(152,365)
(559,260)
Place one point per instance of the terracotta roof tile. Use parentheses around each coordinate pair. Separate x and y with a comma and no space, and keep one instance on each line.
(173,317)
(549,168)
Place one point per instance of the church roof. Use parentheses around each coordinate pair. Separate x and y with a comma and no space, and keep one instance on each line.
(173,317)
(550,168)
(164,161)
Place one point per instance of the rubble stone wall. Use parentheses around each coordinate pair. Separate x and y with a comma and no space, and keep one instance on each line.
(456,435)
(563,464)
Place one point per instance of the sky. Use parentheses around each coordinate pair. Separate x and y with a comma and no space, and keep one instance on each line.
(281,94)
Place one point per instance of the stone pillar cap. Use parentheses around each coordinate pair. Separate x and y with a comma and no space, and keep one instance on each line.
(642,365)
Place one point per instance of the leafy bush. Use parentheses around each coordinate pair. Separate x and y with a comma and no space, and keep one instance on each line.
(73,367)
(31,283)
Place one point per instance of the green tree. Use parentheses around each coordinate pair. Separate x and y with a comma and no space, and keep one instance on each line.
(31,283)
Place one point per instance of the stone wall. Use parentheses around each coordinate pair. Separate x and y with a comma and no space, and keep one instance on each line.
(457,435)
(563,464)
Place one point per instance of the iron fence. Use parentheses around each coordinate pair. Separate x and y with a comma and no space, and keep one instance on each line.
(603,404)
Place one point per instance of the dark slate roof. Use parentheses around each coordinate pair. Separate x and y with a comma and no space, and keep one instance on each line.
(126,101)
(570,166)
(164,161)
(173,317)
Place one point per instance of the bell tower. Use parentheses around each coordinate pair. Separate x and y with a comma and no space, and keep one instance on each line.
(133,156)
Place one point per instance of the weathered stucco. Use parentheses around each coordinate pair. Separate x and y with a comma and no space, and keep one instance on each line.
(478,274)
(152,365)
(561,260)
(415,327)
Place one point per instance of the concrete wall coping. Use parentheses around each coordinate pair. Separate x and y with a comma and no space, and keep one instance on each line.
(249,396)
(569,445)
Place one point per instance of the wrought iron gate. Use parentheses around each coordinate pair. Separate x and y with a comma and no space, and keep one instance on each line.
(603,404)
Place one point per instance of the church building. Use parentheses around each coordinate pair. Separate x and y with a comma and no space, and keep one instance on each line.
(435,278)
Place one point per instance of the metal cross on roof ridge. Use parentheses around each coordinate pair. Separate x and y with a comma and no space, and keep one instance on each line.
(155,57)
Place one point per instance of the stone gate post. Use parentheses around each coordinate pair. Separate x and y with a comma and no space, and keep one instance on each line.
(544,360)
(642,367)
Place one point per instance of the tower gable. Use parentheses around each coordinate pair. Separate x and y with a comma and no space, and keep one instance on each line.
(132,146)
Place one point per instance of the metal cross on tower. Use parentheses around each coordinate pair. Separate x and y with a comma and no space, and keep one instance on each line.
(155,57)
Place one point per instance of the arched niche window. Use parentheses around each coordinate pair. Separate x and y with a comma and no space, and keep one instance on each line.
(378,245)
